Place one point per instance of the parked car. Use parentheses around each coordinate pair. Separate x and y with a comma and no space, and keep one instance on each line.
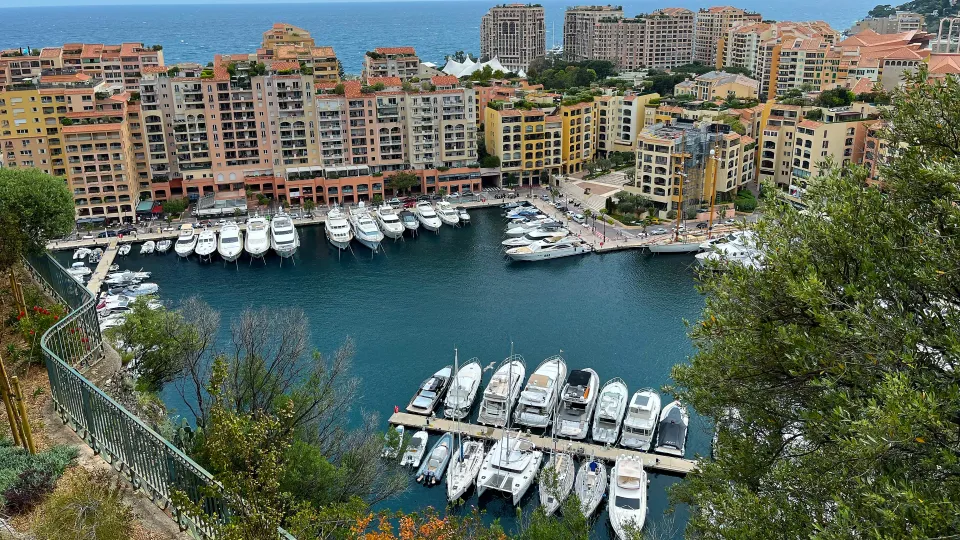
(701,225)
(127,230)
(659,230)
(409,203)
(579,218)
(729,221)
(545,197)
(467,193)
(107,234)
(395,203)
(454,195)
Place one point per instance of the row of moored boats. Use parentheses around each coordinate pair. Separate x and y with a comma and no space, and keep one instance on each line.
(534,236)
(370,229)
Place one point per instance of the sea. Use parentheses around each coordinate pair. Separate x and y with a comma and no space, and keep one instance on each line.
(196,32)
(623,314)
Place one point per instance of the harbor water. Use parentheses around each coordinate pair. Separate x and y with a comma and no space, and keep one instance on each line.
(622,314)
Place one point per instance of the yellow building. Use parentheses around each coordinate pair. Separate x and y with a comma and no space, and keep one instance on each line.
(579,135)
(528,142)
(620,119)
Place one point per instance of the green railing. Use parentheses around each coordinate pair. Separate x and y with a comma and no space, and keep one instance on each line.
(148,460)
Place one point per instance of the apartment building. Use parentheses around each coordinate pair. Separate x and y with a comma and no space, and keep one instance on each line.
(901,21)
(621,118)
(401,62)
(712,25)
(505,90)
(285,42)
(579,29)
(528,142)
(513,33)
(119,65)
(877,151)
(282,34)
(718,84)
(660,40)
(578,135)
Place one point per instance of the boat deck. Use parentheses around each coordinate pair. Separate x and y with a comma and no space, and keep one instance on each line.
(657,462)
(103,267)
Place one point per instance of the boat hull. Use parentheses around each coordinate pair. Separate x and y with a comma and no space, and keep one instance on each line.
(372,244)
(675,247)
(544,256)
(432,227)
(230,256)
(392,233)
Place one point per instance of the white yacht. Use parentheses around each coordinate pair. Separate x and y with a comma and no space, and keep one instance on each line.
(641,420)
(365,229)
(672,430)
(337,228)
(163,246)
(556,481)
(427,216)
(389,222)
(463,390)
(539,399)
(502,392)
(410,221)
(258,237)
(527,240)
(124,250)
(464,466)
(284,239)
(187,241)
(81,253)
(463,215)
(415,449)
(548,230)
(231,242)
(684,244)
(628,496)
(577,401)
(737,249)
(520,229)
(510,466)
(430,393)
(147,247)
(125,278)
(611,406)
(544,250)
(206,244)
(591,485)
(448,214)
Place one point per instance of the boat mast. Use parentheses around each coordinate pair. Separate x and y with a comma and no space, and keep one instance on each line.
(456,376)
(509,391)
(713,188)
(683,178)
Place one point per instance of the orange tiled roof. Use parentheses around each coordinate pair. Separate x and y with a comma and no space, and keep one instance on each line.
(746,139)
(386,81)
(322,51)
(944,64)
(444,80)
(154,69)
(50,52)
(71,78)
(395,50)
(92,49)
(92,128)
(809,124)
(351,89)
(862,86)
(131,49)
(284,65)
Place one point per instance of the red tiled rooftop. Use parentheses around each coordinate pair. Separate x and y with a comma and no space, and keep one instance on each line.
(386,81)
(154,69)
(322,51)
(809,124)
(284,65)
(351,89)
(50,52)
(863,85)
(444,80)
(395,50)
(92,128)
(944,64)
(71,78)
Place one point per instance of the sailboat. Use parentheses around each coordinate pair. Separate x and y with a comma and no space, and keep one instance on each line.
(468,457)
(591,485)
(556,481)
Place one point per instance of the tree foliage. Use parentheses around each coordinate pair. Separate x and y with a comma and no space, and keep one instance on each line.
(832,370)
(34,209)
(562,75)
(838,97)
(402,182)
(174,207)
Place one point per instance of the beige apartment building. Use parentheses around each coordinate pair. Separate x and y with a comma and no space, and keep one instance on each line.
(718,84)
(901,21)
(401,62)
(119,65)
(528,142)
(513,33)
(621,118)
(580,27)
(712,25)
(660,40)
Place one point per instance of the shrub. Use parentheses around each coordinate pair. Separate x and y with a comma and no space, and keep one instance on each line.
(30,488)
(15,461)
(745,201)
(90,505)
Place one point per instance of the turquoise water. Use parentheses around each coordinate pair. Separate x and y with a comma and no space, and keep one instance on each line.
(620,313)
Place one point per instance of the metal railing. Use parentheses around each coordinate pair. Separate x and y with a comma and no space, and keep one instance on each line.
(148,460)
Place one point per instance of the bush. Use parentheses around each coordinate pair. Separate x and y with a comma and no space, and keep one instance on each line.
(31,487)
(672,214)
(745,201)
(15,461)
(90,505)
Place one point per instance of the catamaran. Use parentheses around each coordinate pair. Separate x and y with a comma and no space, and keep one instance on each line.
(611,406)
(337,228)
(577,401)
(641,420)
(284,239)
(628,496)
(187,241)
(502,392)
(539,399)
(258,241)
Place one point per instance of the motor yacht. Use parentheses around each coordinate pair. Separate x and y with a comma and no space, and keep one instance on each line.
(337,228)
(527,240)
(672,430)
(628,496)
(365,229)
(556,481)
(577,401)
(731,253)
(448,214)
(510,466)
(164,245)
(148,247)
(539,398)
(640,422)
(79,272)
(550,229)
(389,222)
(187,241)
(591,485)
(464,466)
(125,278)
(502,392)
(410,221)
(463,390)
(81,253)
(611,405)
(520,229)
(463,215)
(230,245)
(431,471)
(523,212)
(124,250)
(415,449)
(543,250)
(427,216)
(284,239)
(141,289)
(206,244)
(258,237)
(430,393)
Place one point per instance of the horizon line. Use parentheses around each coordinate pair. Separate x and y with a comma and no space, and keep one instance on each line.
(131,3)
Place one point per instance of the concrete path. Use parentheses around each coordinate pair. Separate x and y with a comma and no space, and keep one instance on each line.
(103,267)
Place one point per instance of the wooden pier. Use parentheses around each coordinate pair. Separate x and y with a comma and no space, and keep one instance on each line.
(103,267)
(657,462)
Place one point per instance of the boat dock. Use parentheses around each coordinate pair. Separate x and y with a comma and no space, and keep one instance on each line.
(657,462)
(103,267)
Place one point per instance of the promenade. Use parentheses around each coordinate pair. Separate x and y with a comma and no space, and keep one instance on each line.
(103,267)
(656,462)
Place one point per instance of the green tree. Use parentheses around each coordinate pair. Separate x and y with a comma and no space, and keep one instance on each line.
(490,162)
(309,205)
(402,182)
(35,208)
(832,370)
(838,97)
(174,207)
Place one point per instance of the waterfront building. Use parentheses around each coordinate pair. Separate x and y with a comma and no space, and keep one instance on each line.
(579,29)
(621,118)
(718,84)
(712,25)
(114,64)
(661,40)
(289,43)
(528,142)
(901,21)
(579,135)
(401,62)
(513,33)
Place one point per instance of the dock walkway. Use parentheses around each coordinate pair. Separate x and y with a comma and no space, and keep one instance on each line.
(103,267)
(657,462)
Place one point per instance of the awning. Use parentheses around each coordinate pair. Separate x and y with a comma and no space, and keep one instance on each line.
(144,207)
(157,208)
(91,220)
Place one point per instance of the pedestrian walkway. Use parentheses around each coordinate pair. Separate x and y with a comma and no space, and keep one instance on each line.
(103,267)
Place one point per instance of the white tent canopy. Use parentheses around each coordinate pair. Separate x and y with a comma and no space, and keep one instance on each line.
(468,67)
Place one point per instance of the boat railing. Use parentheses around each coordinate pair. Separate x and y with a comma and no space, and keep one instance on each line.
(147,460)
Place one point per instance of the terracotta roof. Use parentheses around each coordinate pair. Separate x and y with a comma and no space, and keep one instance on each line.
(132,49)
(944,64)
(553,118)
(283,66)
(510,112)
(351,89)
(395,50)
(71,78)
(154,69)
(92,49)
(746,139)
(809,124)
(50,52)
(444,80)
(870,37)
(673,11)
(862,86)
(386,81)
(322,51)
